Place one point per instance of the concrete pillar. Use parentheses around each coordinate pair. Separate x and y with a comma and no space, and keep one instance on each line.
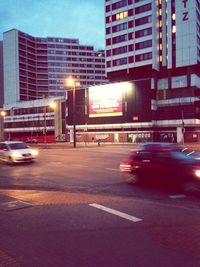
(180,135)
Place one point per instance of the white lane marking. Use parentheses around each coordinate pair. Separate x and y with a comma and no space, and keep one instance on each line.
(115,212)
(177,196)
(112,169)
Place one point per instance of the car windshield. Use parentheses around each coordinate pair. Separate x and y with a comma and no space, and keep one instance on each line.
(179,155)
(18,146)
(155,146)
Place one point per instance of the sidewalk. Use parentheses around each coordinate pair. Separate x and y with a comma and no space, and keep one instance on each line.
(80,145)
(60,145)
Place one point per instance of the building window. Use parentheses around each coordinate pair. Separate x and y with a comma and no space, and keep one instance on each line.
(143,45)
(130,24)
(108,8)
(119,39)
(130,59)
(130,47)
(122,15)
(108,19)
(120,50)
(108,30)
(119,4)
(143,57)
(138,1)
(130,35)
(120,27)
(143,33)
(108,41)
(130,12)
(108,64)
(120,61)
(141,9)
(143,20)
(108,53)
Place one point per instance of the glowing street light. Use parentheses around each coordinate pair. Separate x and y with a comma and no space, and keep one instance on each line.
(52,105)
(71,82)
(3,113)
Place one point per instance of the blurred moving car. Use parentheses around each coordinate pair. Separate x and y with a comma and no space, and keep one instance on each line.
(17,151)
(163,162)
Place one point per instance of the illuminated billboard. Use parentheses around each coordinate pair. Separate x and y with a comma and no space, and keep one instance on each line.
(106,100)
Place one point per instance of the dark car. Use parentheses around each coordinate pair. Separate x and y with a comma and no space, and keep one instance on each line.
(161,162)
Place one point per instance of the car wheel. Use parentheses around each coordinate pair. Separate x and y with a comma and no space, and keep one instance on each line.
(191,187)
(133,178)
(10,160)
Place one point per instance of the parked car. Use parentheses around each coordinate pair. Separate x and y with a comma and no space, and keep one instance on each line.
(17,151)
(161,162)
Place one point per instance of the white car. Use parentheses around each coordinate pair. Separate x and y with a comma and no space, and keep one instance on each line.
(16,151)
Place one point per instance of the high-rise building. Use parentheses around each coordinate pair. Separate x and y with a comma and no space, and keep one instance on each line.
(147,35)
(1,74)
(36,67)
(158,40)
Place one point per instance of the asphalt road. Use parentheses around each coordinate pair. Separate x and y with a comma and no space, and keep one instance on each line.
(72,208)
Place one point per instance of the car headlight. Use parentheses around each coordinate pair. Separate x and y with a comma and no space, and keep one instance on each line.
(197,173)
(34,152)
(16,154)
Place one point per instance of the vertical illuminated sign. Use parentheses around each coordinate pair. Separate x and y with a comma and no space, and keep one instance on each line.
(185,12)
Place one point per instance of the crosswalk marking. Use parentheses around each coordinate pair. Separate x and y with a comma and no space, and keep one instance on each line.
(115,212)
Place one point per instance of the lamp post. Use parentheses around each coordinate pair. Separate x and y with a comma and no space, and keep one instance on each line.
(52,106)
(73,83)
(45,125)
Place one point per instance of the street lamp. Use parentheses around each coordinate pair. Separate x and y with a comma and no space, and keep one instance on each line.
(52,106)
(73,83)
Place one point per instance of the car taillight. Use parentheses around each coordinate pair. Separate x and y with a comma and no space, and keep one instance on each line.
(126,165)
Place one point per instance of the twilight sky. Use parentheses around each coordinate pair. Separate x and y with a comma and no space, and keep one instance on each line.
(82,19)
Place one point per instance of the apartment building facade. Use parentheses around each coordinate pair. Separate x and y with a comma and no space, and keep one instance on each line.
(160,40)
(152,34)
(35,67)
